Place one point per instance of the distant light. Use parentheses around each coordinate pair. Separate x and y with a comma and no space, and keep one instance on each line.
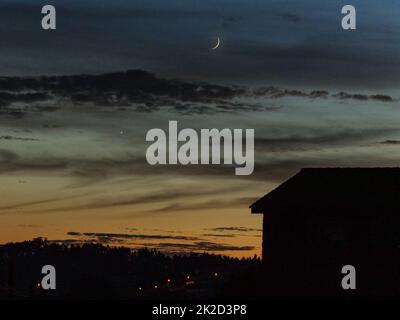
(215,274)
(169,280)
(156,287)
(38,285)
(188,277)
(140,288)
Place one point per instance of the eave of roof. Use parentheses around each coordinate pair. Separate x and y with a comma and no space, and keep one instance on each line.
(314,175)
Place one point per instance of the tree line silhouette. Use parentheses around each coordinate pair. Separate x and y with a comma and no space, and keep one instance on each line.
(96,271)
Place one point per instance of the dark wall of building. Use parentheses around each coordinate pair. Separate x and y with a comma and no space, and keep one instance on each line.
(310,248)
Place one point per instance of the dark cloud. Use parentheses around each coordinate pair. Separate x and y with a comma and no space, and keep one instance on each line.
(7,98)
(201,246)
(69,242)
(17,138)
(364,97)
(74,233)
(390,142)
(17,113)
(230,229)
(132,90)
(113,236)
(193,244)
(219,235)
(137,87)
(162,230)
(52,126)
(276,93)
(291,17)
(319,140)
(167,247)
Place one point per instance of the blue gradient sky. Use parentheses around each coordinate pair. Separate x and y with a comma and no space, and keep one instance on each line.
(285,42)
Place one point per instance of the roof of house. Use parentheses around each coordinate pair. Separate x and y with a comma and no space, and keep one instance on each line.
(338,187)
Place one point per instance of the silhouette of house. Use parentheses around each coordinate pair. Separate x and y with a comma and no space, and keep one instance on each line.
(324,218)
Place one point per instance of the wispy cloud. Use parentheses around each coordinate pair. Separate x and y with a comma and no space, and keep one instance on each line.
(141,91)
(9,138)
(113,236)
(191,244)
(219,235)
(277,93)
(210,204)
(230,229)
(200,246)
(390,142)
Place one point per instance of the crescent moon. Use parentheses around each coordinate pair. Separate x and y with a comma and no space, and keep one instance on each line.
(217,45)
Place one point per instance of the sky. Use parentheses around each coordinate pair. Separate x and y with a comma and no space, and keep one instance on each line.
(72,143)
